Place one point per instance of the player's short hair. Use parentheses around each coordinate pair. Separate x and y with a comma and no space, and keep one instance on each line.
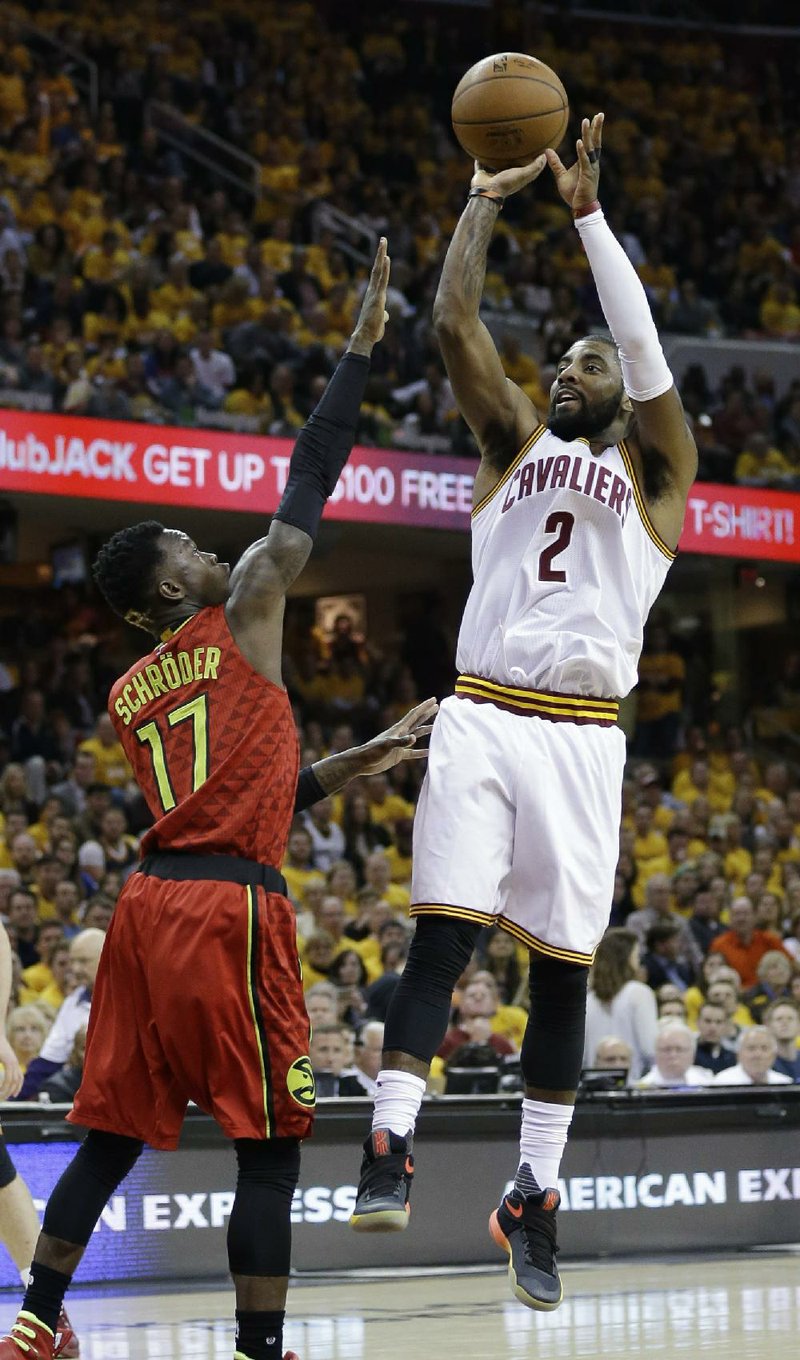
(125,566)
(597,339)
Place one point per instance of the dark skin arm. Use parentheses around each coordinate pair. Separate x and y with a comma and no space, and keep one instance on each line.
(270,566)
(499,414)
(398,742)
(660,430)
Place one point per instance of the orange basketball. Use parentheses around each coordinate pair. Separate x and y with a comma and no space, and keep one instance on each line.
(508,108)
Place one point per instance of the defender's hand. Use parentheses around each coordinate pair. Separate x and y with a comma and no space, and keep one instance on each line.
(578,185)
(507,182)
(373,316)
(399,742)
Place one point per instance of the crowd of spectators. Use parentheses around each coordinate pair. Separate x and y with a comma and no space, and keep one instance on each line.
(133,284)
(705,918)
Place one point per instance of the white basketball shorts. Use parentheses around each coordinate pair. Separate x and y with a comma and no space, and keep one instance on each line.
(518,820)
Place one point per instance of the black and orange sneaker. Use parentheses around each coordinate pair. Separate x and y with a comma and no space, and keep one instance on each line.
(524,1225)
(28,1339)
(66,1346)
(383,1189)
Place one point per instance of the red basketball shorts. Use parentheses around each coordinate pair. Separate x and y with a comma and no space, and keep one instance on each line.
(198,998)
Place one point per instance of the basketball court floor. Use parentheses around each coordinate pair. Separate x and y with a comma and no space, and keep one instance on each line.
(742,1307)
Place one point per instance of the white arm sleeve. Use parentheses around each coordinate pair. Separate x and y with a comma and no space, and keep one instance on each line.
(626,310)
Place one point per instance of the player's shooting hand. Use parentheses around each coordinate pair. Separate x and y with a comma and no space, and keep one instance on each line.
(399,742)
(578,185)
(373,315)
(507,182)
(11,1077)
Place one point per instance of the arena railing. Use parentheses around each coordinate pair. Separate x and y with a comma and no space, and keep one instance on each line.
(219,156)
(348,231)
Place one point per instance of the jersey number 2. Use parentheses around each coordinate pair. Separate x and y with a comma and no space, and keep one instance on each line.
(560,523)
(150,735)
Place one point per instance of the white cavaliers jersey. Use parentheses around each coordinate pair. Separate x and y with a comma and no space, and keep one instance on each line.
(567,566)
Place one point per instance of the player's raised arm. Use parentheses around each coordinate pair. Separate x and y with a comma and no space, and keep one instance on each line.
(498,413)
(660,421)
(323,446)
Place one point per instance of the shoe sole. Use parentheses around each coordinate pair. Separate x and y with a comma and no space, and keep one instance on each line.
(381,1220)
(530,1301)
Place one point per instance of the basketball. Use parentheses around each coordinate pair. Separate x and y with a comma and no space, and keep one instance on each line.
(508,108)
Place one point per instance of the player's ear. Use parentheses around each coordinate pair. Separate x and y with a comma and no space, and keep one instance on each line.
(626,404)
(171,590)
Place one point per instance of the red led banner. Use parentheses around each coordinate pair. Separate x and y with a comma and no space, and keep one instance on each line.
(164,465)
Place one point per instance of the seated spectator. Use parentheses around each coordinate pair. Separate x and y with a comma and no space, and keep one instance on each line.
(724,991)
(22,926)
(670,1003)
(478,1004)
(110,763)
(66,902)
(362,835)
(322,1004)
(91,867)
(377,875)
(399,854)
(657,910)
(499,957)
(619,1002)
(38,975)
(27,1028)
(704,921)
(711,1053)
(379,994)
(612,1054)
(774,973)
(782,1019)
(674,1064)
(318,955)
(85,953)
(742,946)
(385,806)
(326,836)
(298,866)
(62,1087)
(343,882)
(121,851)
(756,1050)
(368,1055)
(661,961)
(695,996)
(329,1050)
(348,973)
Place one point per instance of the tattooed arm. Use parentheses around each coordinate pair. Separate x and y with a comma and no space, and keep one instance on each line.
(500,415)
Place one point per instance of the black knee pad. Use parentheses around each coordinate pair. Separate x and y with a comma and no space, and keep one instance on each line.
(420,1008)
(8,1171)
(260,1225)
(101,1164)
(552,1049)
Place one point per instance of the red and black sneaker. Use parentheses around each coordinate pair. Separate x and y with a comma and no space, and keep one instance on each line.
(67,1346)
(28,1339)
(383,1189)
(524,1225)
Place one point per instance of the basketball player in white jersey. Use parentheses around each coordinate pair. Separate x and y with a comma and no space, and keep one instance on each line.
(577,515)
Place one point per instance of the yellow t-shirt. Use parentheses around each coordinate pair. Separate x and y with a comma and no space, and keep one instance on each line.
(110,764)
(400,865)
(510,1021)
(298,879)
(391,809)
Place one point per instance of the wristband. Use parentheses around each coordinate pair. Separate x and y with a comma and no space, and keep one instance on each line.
(487,193)
(309,790)
(586,210)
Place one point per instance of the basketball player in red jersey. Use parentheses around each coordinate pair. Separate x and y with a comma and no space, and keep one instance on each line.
(199,994)
(577,514)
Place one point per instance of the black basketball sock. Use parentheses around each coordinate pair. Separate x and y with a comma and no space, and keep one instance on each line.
(44,1296)
(259,1336)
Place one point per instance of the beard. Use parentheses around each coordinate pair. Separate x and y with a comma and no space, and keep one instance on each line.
(582,420)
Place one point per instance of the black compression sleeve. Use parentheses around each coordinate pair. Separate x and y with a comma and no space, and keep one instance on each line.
(309,790)
(323,446)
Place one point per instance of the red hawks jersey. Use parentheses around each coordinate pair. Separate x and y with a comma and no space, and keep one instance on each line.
(212,744)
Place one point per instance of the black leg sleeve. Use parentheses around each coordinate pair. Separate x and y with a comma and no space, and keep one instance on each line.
(552,1049)
(420,1008)
(260,1225)
(101,1164)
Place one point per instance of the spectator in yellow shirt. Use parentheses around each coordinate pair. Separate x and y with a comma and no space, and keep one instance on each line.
(110,764)
(108,262)
(660,696)
(385,806)
(760,463)
(399,854)
(298,866)
(377,875)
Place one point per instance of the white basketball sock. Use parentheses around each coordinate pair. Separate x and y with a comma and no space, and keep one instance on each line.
(543,1137)
(397,1101)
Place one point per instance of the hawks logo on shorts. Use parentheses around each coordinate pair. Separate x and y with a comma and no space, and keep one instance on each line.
(301,1084)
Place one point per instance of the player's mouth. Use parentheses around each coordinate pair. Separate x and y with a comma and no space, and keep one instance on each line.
(566,395)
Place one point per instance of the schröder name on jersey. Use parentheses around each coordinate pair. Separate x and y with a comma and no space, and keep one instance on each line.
(577,472)
(168,673)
